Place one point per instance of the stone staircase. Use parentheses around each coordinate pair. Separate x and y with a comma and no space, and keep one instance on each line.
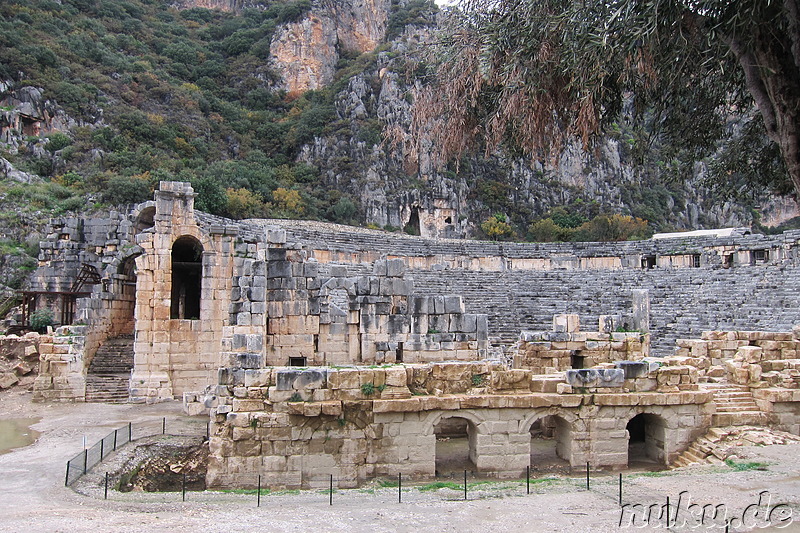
(108,378)
(700,450)
(735,406)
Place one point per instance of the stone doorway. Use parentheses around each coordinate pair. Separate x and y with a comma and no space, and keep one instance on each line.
(646,437)
(455,446)
(551,443)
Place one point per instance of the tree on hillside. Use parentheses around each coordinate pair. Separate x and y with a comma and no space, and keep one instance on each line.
(533,74)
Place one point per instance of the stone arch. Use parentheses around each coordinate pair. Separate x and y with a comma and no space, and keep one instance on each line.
(570,417)
(647,439)
(455,444)
(144,216)
(434,418)
(187,277)
(551,443)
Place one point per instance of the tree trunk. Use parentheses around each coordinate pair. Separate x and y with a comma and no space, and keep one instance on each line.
(770,65)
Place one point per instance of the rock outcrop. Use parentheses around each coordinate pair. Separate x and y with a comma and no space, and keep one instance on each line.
(306,52)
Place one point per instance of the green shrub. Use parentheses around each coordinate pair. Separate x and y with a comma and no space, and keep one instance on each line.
(57,141)
(41,319)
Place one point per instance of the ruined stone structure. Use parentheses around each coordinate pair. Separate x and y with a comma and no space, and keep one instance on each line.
(322,349)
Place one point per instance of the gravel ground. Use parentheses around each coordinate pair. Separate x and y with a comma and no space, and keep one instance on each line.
(34,498)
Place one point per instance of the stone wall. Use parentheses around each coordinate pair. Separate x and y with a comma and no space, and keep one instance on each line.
(279,292)
(297,427)
(548,352)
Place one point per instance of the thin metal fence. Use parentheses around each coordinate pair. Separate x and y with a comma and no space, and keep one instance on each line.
(89,457)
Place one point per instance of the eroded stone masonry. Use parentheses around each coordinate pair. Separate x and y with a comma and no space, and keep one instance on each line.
(323,350)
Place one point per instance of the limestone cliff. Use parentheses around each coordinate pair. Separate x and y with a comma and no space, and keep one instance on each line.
(306,52)
(396,189)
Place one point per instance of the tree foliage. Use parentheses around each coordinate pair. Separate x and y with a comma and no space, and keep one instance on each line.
(536,73)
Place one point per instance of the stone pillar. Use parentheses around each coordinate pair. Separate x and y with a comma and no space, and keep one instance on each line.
(641,310)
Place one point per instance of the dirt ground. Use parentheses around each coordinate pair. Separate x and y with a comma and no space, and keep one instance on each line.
(34,499)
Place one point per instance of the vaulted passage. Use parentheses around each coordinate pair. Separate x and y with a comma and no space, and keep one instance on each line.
(187,270)
(551,443)
(646,434)
(455,446)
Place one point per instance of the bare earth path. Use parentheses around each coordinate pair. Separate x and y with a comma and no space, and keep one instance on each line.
(33,497)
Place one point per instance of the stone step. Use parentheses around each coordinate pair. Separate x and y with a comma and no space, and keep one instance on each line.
(741,418)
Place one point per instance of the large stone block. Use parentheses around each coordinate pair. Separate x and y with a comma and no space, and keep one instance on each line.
(596,377)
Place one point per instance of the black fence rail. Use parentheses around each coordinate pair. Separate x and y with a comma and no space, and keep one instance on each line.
(89,457)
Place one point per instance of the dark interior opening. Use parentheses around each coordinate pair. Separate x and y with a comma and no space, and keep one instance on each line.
(728,261)
(636,429)
(646,434)
(297,361)
(576,360)
(448,220)
(649,261)
(398,358)
(413,227)
(696,261)
(187,275)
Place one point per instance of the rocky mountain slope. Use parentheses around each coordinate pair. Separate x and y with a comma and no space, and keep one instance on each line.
(295,109)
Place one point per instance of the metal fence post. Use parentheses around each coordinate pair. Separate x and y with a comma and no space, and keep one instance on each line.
(105,493)
(465,484)
(130,431)
(258,501)
(85,457)
(66,477)
(528,479)
(164,426)
(115,440)
(330,498)
(587,475)
(399,488)
(102,448)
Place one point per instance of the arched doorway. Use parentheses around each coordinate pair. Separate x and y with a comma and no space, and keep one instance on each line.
(187,277)
(124,290)
(551,444)
(646,435)
(455,446)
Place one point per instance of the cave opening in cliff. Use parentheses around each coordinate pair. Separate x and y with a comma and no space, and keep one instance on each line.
(413,226)
(187,277)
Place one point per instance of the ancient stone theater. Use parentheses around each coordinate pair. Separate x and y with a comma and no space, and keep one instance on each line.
(320,350)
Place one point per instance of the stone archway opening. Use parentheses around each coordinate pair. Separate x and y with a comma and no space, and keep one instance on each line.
(646,437)
(455,446)
(551,444)
(187,278)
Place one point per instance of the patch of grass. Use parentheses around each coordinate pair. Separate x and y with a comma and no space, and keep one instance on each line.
(246,491)
(436,485)
(387,483)
(660,473)
(744,466)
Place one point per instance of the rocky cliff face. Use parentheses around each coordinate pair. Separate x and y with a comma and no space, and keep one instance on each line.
(231,6)
(403,190)
(306,52)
